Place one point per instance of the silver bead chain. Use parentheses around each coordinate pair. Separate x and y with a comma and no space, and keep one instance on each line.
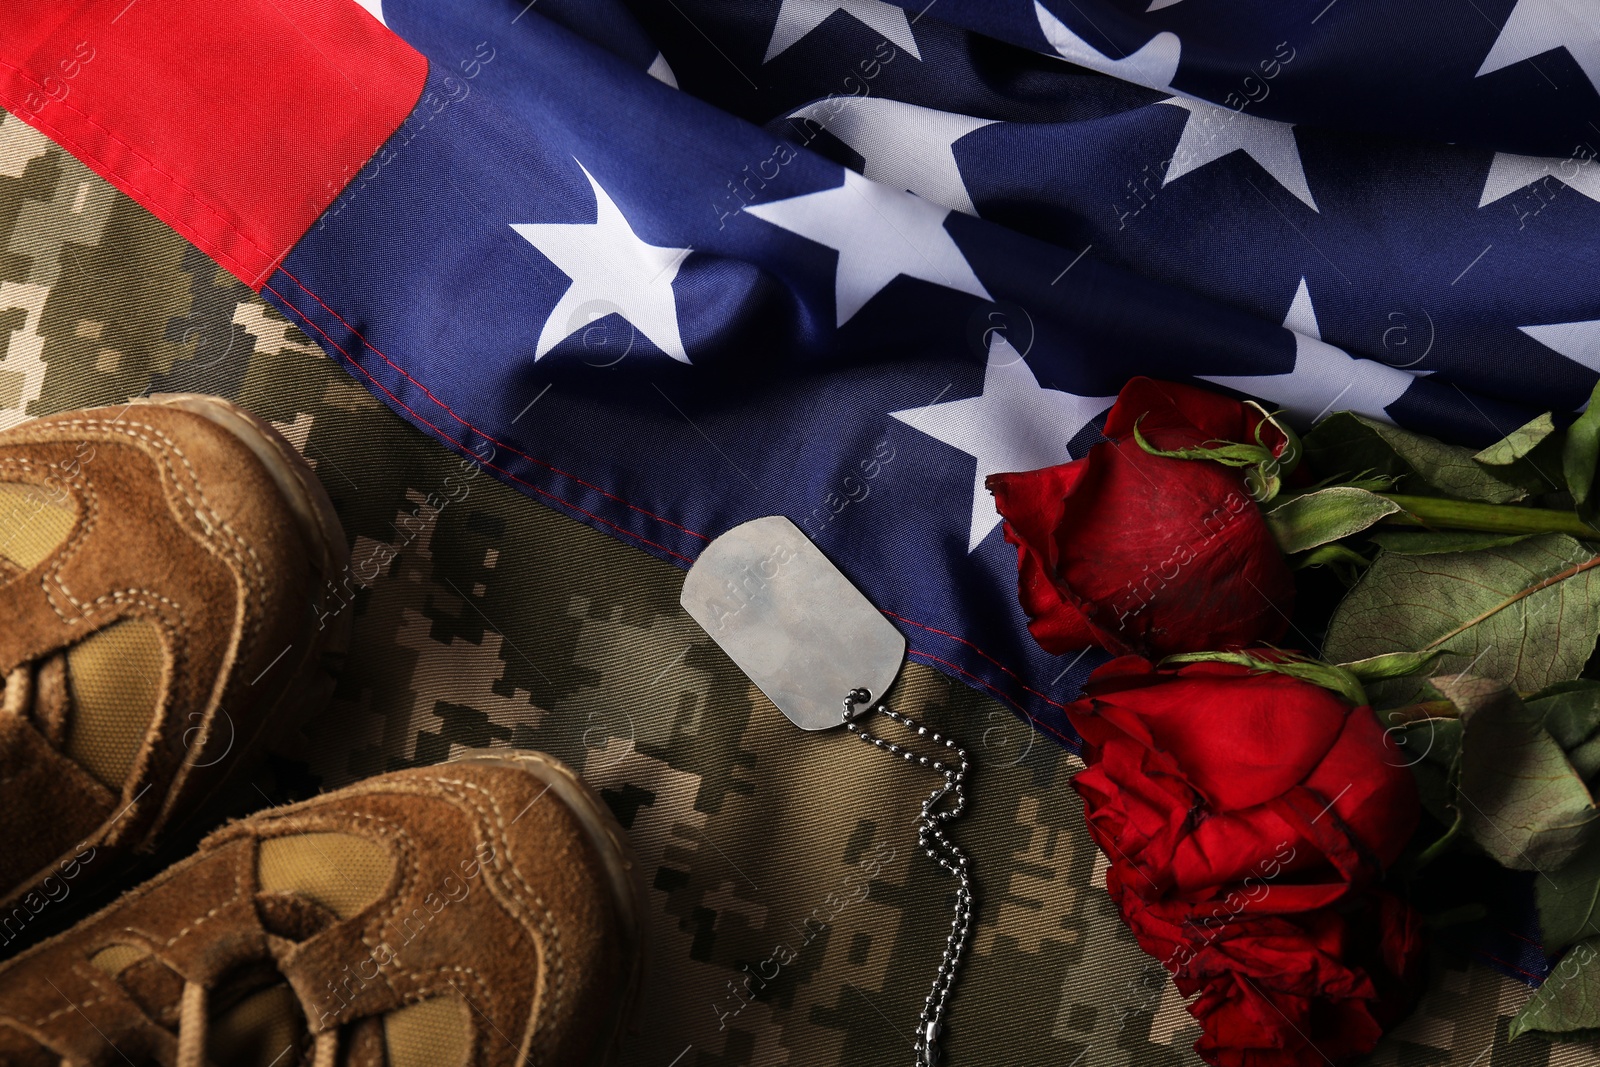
(935,841)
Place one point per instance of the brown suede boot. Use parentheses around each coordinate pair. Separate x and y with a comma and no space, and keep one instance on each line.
(160,567)
(476,912)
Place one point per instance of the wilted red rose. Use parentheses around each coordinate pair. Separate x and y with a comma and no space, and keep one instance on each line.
(1134,552)
(1248,817)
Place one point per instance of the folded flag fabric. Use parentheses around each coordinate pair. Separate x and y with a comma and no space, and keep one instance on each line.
(672,267)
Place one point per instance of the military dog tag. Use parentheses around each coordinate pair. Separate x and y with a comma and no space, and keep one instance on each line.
(821,651)
(791,621)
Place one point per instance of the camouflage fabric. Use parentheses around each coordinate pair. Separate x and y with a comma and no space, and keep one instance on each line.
(791,919)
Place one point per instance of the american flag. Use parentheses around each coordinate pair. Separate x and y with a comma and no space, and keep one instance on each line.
(676,266)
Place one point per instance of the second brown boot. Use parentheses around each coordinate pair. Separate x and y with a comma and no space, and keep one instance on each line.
(481,912)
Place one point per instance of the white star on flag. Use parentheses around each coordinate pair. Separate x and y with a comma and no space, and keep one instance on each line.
(1212,132)
(1324,378)
(1578,341)
(1015,425)
(661,71)
(1508,173)
(1538,26)
(796,18)
(612,272)
(880,233)
(902,145)
(1154,65)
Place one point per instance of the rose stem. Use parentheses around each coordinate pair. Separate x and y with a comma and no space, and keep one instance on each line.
(1435,850)
(1487,518)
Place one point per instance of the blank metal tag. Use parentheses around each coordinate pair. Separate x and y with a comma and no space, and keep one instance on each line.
(791,621)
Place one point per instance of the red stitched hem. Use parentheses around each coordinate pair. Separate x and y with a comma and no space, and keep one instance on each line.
(955,637)
(465,451)
(1519,937)
(448,410)
(1057,735)
(1534,979)
(1060,737)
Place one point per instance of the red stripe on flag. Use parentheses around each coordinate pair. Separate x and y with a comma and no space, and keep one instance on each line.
(236,122)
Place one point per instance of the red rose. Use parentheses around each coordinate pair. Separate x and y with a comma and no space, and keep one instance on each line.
(1308,989)
(1247,817)
(1295,990)
(1135,552)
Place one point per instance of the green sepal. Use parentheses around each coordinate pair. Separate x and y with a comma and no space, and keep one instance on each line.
(1265,471)
(1389,665)
(1227,453)
(1345,562)
(1314,671)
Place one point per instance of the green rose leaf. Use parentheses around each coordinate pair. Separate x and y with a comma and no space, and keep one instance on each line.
(1518,797)
(1518,443)
(1433,542)
(1356,446)
(1527,613)
(1572,714)
(1569,900)
(1579,455)
(1569,1001)
(1304,522)
(1529,456)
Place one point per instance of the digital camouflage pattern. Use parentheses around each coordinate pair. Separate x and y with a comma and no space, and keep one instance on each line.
(790,919)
